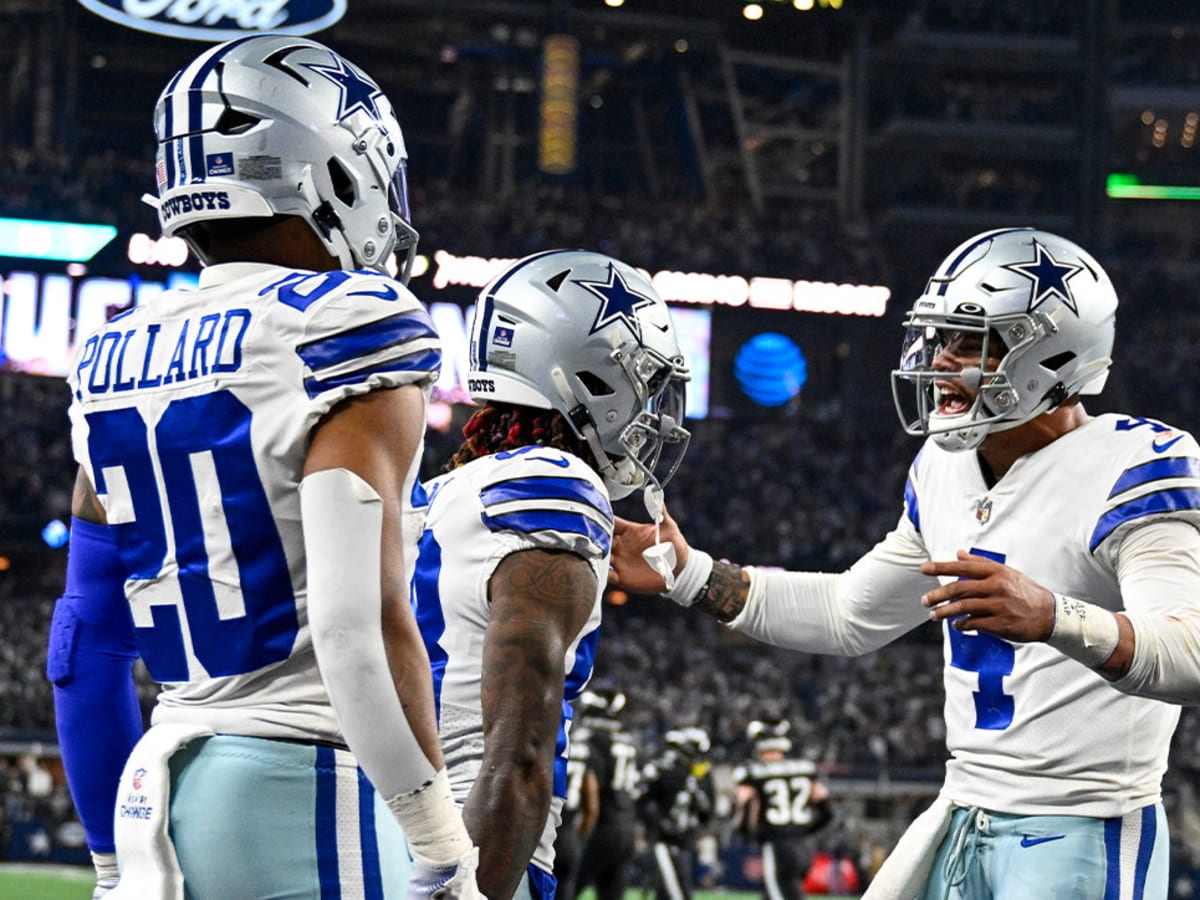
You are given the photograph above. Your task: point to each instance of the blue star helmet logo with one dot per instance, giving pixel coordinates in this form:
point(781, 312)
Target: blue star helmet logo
point(617, 302)
point(357, 92)
point(1049, 277)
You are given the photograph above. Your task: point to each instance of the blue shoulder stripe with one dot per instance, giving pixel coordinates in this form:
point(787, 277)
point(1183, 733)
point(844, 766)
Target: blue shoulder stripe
point(546, 487)
point(1156, 502)
point(1156, 470)
point(910, 504)
point(532, 521)
point(429, 361)
point(367, 339)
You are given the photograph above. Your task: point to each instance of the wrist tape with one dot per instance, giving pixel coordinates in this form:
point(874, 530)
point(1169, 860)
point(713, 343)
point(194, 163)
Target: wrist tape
point(691, 578)
point(1083, 631)
point(105, 865)
point(432, 823)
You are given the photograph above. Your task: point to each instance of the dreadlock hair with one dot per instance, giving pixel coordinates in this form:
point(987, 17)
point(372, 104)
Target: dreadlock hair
point(505, 426)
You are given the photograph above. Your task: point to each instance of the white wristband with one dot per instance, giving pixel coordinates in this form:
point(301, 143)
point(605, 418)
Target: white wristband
point(691, 578)
point(432, 823)
point(1083, 631)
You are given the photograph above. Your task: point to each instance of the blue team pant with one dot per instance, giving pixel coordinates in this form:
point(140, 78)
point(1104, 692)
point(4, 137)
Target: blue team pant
point(258, 818)
point(994, 856)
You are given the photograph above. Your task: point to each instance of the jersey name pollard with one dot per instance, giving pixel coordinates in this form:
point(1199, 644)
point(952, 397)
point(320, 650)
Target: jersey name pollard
point(1030, 730)
point(192, 416)
point(784, 789)
point(533, 498)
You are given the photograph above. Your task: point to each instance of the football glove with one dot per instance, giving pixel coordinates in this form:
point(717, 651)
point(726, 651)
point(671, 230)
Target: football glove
point(456, 882)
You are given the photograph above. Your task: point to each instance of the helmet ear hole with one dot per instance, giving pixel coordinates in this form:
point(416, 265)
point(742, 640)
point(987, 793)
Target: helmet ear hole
point(596, 385)
point(234, 121)
point(343, 184)
point(1056, 362)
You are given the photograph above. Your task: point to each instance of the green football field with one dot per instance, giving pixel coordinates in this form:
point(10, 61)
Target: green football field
point(21, 882)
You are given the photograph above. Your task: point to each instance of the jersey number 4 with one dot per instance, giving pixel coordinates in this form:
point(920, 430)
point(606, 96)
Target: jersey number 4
point(991, 658)
point(218, 509)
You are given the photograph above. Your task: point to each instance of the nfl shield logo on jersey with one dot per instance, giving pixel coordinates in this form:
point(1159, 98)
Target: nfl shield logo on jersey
point(983, 510)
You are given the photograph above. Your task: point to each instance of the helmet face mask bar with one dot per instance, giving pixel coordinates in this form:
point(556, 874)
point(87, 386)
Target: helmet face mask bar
point(1038, 312)
point(994, 406)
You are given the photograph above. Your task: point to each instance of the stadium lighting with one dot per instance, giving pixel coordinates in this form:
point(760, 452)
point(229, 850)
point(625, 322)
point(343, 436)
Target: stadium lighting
point(1129, 187)
point(40, 239)
point(752, 11)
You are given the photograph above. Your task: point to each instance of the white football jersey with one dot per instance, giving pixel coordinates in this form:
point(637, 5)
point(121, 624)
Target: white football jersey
point(192, 416)
point(1032, 731)
point(530, 498)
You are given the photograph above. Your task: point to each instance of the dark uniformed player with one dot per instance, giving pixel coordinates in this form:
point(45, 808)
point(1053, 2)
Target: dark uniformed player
point(779, 803)
point(609, 850)
point(580, 808)
point(676, 801)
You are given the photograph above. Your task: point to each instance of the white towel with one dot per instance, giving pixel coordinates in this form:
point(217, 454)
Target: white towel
point(145, 853)
point(904, 875)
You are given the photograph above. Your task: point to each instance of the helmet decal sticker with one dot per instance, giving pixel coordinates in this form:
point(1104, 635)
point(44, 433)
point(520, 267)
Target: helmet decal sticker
point(356, 92)
point(617, 302)
point(1049, 277)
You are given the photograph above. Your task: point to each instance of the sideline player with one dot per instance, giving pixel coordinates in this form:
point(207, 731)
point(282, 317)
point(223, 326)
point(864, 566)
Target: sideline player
point(247, 451)
point(610, 849)
point(575, 361)
point(780, 802)
point(1045, 538)
point(676, 801)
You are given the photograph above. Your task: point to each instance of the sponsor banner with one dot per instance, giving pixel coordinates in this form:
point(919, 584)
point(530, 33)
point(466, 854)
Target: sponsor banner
point(219, 20)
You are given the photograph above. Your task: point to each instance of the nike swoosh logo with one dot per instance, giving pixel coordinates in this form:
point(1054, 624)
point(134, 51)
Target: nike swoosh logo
point(559, 461)
point(1027, 841)
point(1161, 448)
point(387, 292)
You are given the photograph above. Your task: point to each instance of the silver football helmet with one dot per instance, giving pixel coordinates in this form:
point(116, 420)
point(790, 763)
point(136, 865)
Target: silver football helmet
point(278, 125)
point(585, 334)
point(1040, 309)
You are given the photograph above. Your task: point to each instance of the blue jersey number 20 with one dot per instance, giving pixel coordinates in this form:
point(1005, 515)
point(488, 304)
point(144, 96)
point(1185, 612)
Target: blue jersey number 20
point(990, 657)
point(218, 424)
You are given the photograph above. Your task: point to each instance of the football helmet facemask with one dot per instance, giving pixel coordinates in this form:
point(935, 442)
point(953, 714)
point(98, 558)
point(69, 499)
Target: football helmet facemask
point(586, 335)
point(278, 125)
point(1039, 309)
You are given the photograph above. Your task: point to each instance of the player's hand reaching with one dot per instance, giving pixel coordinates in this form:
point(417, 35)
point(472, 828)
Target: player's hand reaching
point(990, 597)
point(456, 882)
point(629, 569)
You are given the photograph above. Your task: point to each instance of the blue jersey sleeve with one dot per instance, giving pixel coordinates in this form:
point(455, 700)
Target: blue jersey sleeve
point(90, 663)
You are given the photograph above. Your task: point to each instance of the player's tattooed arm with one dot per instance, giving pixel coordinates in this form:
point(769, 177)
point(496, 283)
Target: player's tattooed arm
point(539, 601)
point(724, 596)
point(84, 502)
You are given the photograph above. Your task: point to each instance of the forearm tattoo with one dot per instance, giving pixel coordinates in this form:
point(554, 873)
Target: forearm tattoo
point(725, 593)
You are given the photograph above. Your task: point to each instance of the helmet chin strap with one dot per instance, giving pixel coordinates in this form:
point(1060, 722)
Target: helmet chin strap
point(622, 477)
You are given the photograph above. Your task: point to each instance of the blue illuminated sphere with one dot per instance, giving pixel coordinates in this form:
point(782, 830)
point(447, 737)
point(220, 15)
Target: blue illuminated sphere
point(770, 368)
point(55, 534)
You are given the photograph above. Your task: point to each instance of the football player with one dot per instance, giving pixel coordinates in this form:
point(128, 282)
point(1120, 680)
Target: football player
point(676, 801)
point(779, 802)
point(581, 807)
point(576, 365)
point(1060, 550)
point(247, 450)
point(610, 848)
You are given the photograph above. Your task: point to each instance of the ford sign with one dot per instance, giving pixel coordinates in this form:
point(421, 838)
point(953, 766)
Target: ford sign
point(220, 20)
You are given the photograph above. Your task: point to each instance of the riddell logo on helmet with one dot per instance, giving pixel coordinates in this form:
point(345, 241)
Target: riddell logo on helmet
point(197, 201)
